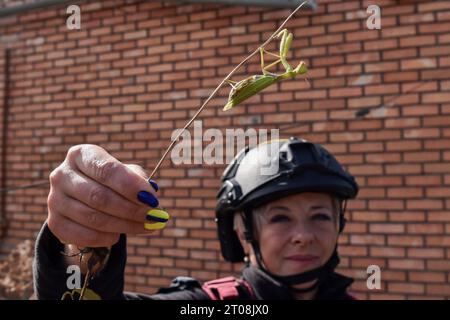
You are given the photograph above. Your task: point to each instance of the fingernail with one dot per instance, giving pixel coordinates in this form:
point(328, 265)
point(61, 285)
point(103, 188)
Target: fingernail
point(157, 215)
point(154, 185)
point(154, 226)
point(148, 198)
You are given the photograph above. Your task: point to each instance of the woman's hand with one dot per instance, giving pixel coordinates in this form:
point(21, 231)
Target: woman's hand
point(93, 198)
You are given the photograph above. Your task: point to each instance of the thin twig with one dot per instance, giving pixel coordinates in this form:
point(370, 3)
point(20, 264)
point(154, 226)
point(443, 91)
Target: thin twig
point(220, 86)
point(27, 186)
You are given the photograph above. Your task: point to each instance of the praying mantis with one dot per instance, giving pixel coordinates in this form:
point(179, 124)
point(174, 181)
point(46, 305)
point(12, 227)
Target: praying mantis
point(252, 85)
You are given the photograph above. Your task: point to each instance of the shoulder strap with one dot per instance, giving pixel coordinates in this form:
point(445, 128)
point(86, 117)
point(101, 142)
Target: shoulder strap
point(226, 288)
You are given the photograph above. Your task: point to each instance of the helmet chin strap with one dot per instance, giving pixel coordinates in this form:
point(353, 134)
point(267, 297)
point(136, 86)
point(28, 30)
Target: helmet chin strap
point(318, 274)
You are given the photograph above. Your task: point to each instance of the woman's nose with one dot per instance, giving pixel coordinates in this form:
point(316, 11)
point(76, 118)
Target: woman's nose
point(302, 236)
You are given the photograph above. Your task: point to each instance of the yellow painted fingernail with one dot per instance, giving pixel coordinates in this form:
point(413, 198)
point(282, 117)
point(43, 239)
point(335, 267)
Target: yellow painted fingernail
point(157, 215)
point(154, 226)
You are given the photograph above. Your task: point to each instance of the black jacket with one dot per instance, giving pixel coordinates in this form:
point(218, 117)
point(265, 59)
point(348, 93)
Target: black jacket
point(50, 277)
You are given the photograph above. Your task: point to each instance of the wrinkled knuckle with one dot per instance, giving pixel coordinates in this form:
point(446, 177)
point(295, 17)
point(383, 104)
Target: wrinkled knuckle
point(51, 201)
point(74, 151)
point(56, 176)
point(98, 197)
point(104, 169)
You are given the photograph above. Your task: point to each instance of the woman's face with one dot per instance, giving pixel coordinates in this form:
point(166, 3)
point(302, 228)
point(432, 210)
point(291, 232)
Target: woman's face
point(298, 233)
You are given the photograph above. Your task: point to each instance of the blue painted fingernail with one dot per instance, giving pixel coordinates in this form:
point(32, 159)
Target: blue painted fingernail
point(154, 185)
point(147, 198)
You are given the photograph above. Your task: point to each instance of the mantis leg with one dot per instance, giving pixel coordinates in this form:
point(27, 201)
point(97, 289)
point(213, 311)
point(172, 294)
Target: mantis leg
point(265, 68)
point(272, 64)
point(285, 44)
point(231, 83)
point(261, 52)
point(272, 54)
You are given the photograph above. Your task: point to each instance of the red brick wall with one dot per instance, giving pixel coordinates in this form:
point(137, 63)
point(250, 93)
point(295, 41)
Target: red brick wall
point(135, 72)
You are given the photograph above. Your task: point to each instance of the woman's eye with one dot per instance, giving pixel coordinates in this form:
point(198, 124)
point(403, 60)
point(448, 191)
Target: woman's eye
point(321, 217)
point(279, 218)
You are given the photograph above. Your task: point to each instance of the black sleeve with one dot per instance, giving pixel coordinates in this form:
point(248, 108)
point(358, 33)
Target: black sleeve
point(50, 269)
point(50, 274)
point(181, 288)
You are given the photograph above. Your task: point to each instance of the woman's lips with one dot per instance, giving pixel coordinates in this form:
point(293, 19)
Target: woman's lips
point(303, 259)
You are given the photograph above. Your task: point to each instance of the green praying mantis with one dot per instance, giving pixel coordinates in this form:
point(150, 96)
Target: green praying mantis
point(252, 85)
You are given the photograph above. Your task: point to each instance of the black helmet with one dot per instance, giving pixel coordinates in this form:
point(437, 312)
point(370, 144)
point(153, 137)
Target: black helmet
point(271, 171)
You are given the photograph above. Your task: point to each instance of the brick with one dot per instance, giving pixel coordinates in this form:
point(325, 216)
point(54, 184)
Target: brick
point(416, 18)
point(405, 192)
point(381, 66)
point(345, 70)
point(402, 123)
point(438, 289)
point(311, 116)
point(425, 228)
point(436, 121)
point(406, 287)
point(329, 82)
point(434, 74)
point(433, 28)
point(400, 76)
point(421, 156)
point(380, 44)
point(443, 265)
point(435, 51)
point(417, 41)
point(363, 263)
point(397, 32)
point(387, 252)
point(412, 216)
point(383, 135)
point(407, 264)
point(397, 240)
point(426, 253)
point(438, 97)
point(427, 277)
point(438, 215)
point(360, 36)
point(340, 48)
point(386, 227)
point(403, 169)
point(367, 170)
point(436, 168)
point(381, 89)
point(327, 39)
point(400, 54)
point(353, 251)
point(420, 110)
point(438, 241)
point(327, 61)
point(385, 181)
